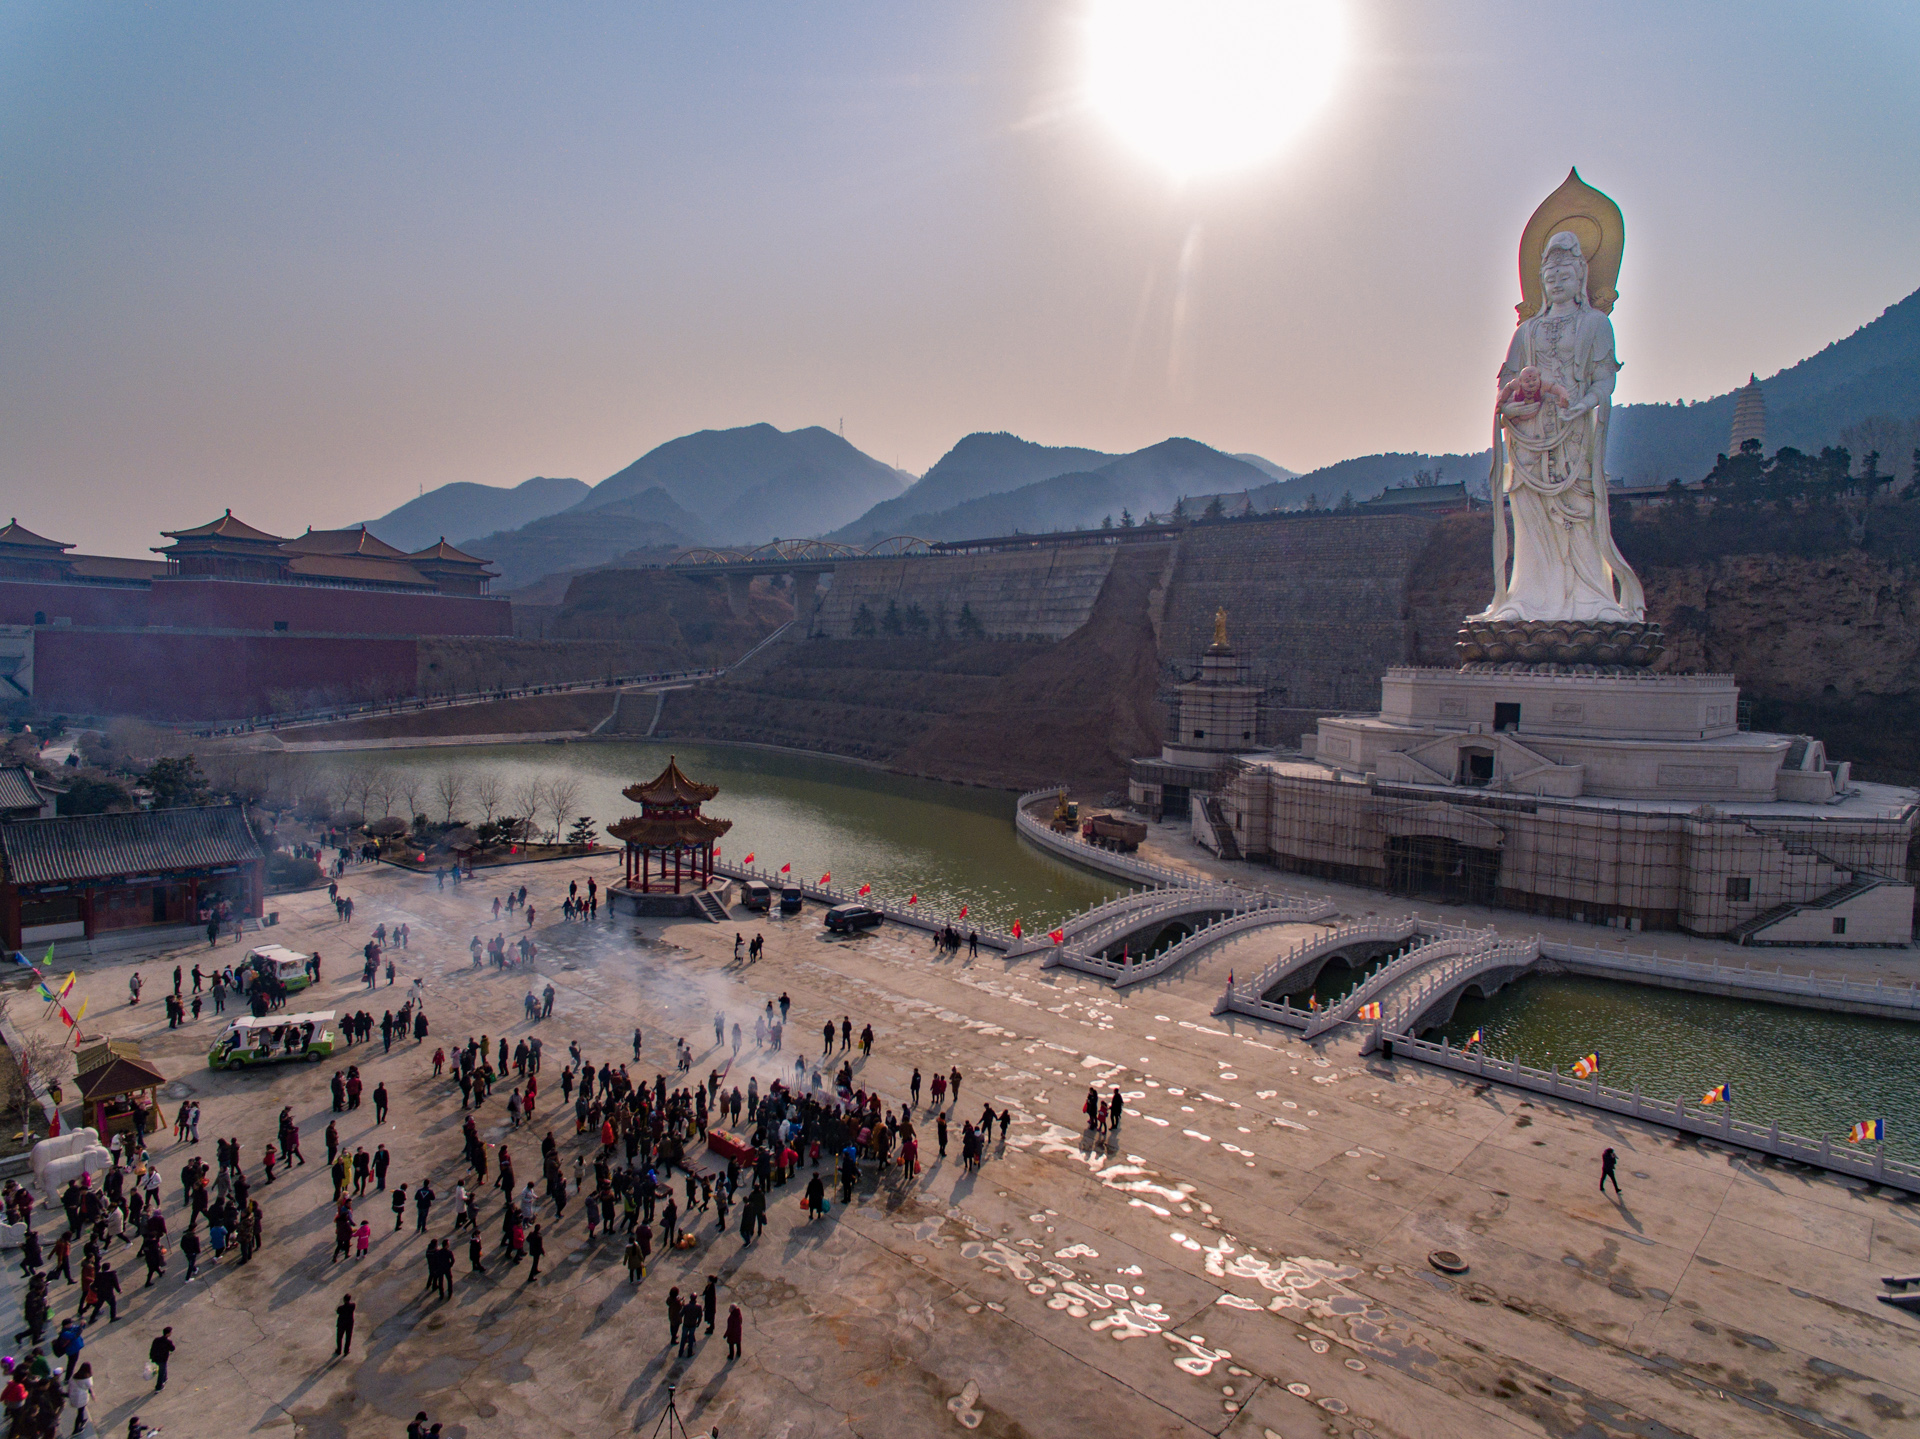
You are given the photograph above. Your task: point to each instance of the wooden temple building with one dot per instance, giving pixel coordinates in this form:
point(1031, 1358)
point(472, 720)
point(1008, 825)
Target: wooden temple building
point(669, 845)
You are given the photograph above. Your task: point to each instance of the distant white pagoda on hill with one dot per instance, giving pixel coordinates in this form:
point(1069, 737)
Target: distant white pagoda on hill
point(1749, 416)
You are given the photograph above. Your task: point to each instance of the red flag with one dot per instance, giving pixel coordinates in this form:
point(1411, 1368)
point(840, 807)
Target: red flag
point(827, 877)
point(747, 860)
point(1058, 936)
point(865, 890)
point(913, 899)
point(963, 911)
point(786, 869)
point(1016, 929)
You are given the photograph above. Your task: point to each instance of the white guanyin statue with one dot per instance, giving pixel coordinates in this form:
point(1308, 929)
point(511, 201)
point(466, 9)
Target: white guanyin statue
point(1550, 429)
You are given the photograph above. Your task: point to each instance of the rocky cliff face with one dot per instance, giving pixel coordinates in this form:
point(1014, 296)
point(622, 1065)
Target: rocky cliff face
point(1823, 642)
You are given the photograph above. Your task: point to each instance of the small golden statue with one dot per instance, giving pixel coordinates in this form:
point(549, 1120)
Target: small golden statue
point(1220, 629)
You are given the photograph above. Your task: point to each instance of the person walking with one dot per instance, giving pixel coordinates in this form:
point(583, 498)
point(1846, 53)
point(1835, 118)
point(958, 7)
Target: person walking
point(158, 1353)
point(536, 1246)
point(736, 1330)
point(1609, 1170)
point(673, 1317)
point(80, 1395)
point(710, 1298)
point(343, 1327)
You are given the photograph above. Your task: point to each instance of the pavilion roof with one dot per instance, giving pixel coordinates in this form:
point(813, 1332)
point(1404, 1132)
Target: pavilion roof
point(446, 553)
point(355, 541)
point(225, 528)
point(18, 536)
point(665, 830)
point(120, 1076)
point(670, 786)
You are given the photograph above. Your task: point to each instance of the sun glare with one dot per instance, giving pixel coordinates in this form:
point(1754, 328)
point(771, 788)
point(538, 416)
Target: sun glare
point(1205, 86)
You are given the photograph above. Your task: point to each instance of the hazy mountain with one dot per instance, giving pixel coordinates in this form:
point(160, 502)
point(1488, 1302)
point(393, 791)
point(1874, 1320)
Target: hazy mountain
point(1873, 371)
point(1148, 480)
point(1260, 462)
point(1367, 475)
point(461, 509)
point(579, 539)
point(981, 464)
point(751, 484)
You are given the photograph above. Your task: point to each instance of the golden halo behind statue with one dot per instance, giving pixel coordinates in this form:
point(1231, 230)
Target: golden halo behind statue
point(1592, 219)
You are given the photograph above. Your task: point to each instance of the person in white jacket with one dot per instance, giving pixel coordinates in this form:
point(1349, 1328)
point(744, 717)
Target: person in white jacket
point(80, 1395)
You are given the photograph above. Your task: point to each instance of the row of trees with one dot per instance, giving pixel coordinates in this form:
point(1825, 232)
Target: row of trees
point(914, 620)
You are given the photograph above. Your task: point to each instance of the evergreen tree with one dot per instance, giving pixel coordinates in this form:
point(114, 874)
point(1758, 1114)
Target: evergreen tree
point(916, 620)
point(890, 621)
point(969, 624)
point(1127, 520)
point(582, 833)
point(176, 782)
point(1215, 510)
point(863, 621)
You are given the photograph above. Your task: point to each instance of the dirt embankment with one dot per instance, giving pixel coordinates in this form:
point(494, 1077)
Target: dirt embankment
point(1819, 627)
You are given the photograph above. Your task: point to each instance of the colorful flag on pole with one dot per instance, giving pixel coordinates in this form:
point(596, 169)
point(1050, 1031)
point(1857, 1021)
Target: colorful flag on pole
point(1586, 1068)
point(1472, 1039)
point(1868, 1131)
point(1719, 1094)
point(827, 878)
point(1313, 1001)
point(963, 911)
point(747, 860)
point(1016, 929)
point(865, 890)
point(1368, 1011)
point(913, 899)
point(1058, 936)
point(786, 869)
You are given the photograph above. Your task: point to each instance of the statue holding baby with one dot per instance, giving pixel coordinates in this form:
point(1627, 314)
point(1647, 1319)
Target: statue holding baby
point(1562, 592)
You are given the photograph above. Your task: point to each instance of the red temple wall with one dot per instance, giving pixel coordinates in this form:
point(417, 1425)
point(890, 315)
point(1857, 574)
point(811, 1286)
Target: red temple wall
point(171, 676)
point(21, 600)
point(227, 605)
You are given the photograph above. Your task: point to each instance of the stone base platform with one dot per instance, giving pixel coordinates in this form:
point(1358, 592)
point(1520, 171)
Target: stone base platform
point(1634, 736)
point(622, 900)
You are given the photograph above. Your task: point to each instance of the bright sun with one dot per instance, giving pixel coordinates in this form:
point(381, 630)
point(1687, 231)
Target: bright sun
point(1202, 86)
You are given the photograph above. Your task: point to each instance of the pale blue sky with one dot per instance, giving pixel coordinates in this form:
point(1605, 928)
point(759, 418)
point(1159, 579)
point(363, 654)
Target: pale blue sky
point(303, 260)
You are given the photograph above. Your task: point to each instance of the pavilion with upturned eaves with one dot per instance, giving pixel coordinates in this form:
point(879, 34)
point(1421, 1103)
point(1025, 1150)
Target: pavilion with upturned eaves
point(669, 844)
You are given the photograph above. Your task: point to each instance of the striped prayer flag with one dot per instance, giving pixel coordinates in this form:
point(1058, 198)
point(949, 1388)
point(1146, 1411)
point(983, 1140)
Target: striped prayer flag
point(1368, 1011)
point(1472, 1039)
point(1868, 1131)
point(1586, 1068)
point(1719, 1094)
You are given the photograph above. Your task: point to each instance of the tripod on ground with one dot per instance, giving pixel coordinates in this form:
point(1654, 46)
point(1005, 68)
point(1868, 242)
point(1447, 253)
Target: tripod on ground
point(672, 1425)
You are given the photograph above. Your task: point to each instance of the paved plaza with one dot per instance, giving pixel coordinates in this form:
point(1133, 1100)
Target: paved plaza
point(1248, 1257)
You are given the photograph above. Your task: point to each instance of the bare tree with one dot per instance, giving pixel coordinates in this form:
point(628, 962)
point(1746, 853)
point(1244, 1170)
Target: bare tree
point(380, 785)
point(450, 788)
point(39, 1056)
point(488, 790)
point(407, 786)
point(563, 798)
point(362, 788)
point(529, 797)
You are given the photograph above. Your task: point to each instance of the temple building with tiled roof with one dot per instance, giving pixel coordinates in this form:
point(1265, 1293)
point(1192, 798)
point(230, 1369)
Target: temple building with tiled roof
point(229, 622)
point(669, 843)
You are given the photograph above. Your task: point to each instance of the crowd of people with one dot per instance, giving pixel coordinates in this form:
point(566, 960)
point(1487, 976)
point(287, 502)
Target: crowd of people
point(659, 1166)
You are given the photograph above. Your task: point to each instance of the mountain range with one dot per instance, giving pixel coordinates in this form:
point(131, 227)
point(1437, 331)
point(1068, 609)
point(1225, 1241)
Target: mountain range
point(755, 482)
point(462, 509)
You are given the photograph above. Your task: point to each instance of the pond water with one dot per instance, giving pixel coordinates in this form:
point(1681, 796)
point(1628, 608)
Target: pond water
point(952, 845)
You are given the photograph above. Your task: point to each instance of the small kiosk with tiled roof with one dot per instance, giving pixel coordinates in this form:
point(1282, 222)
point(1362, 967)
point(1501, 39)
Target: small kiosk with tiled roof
point(669, 845)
